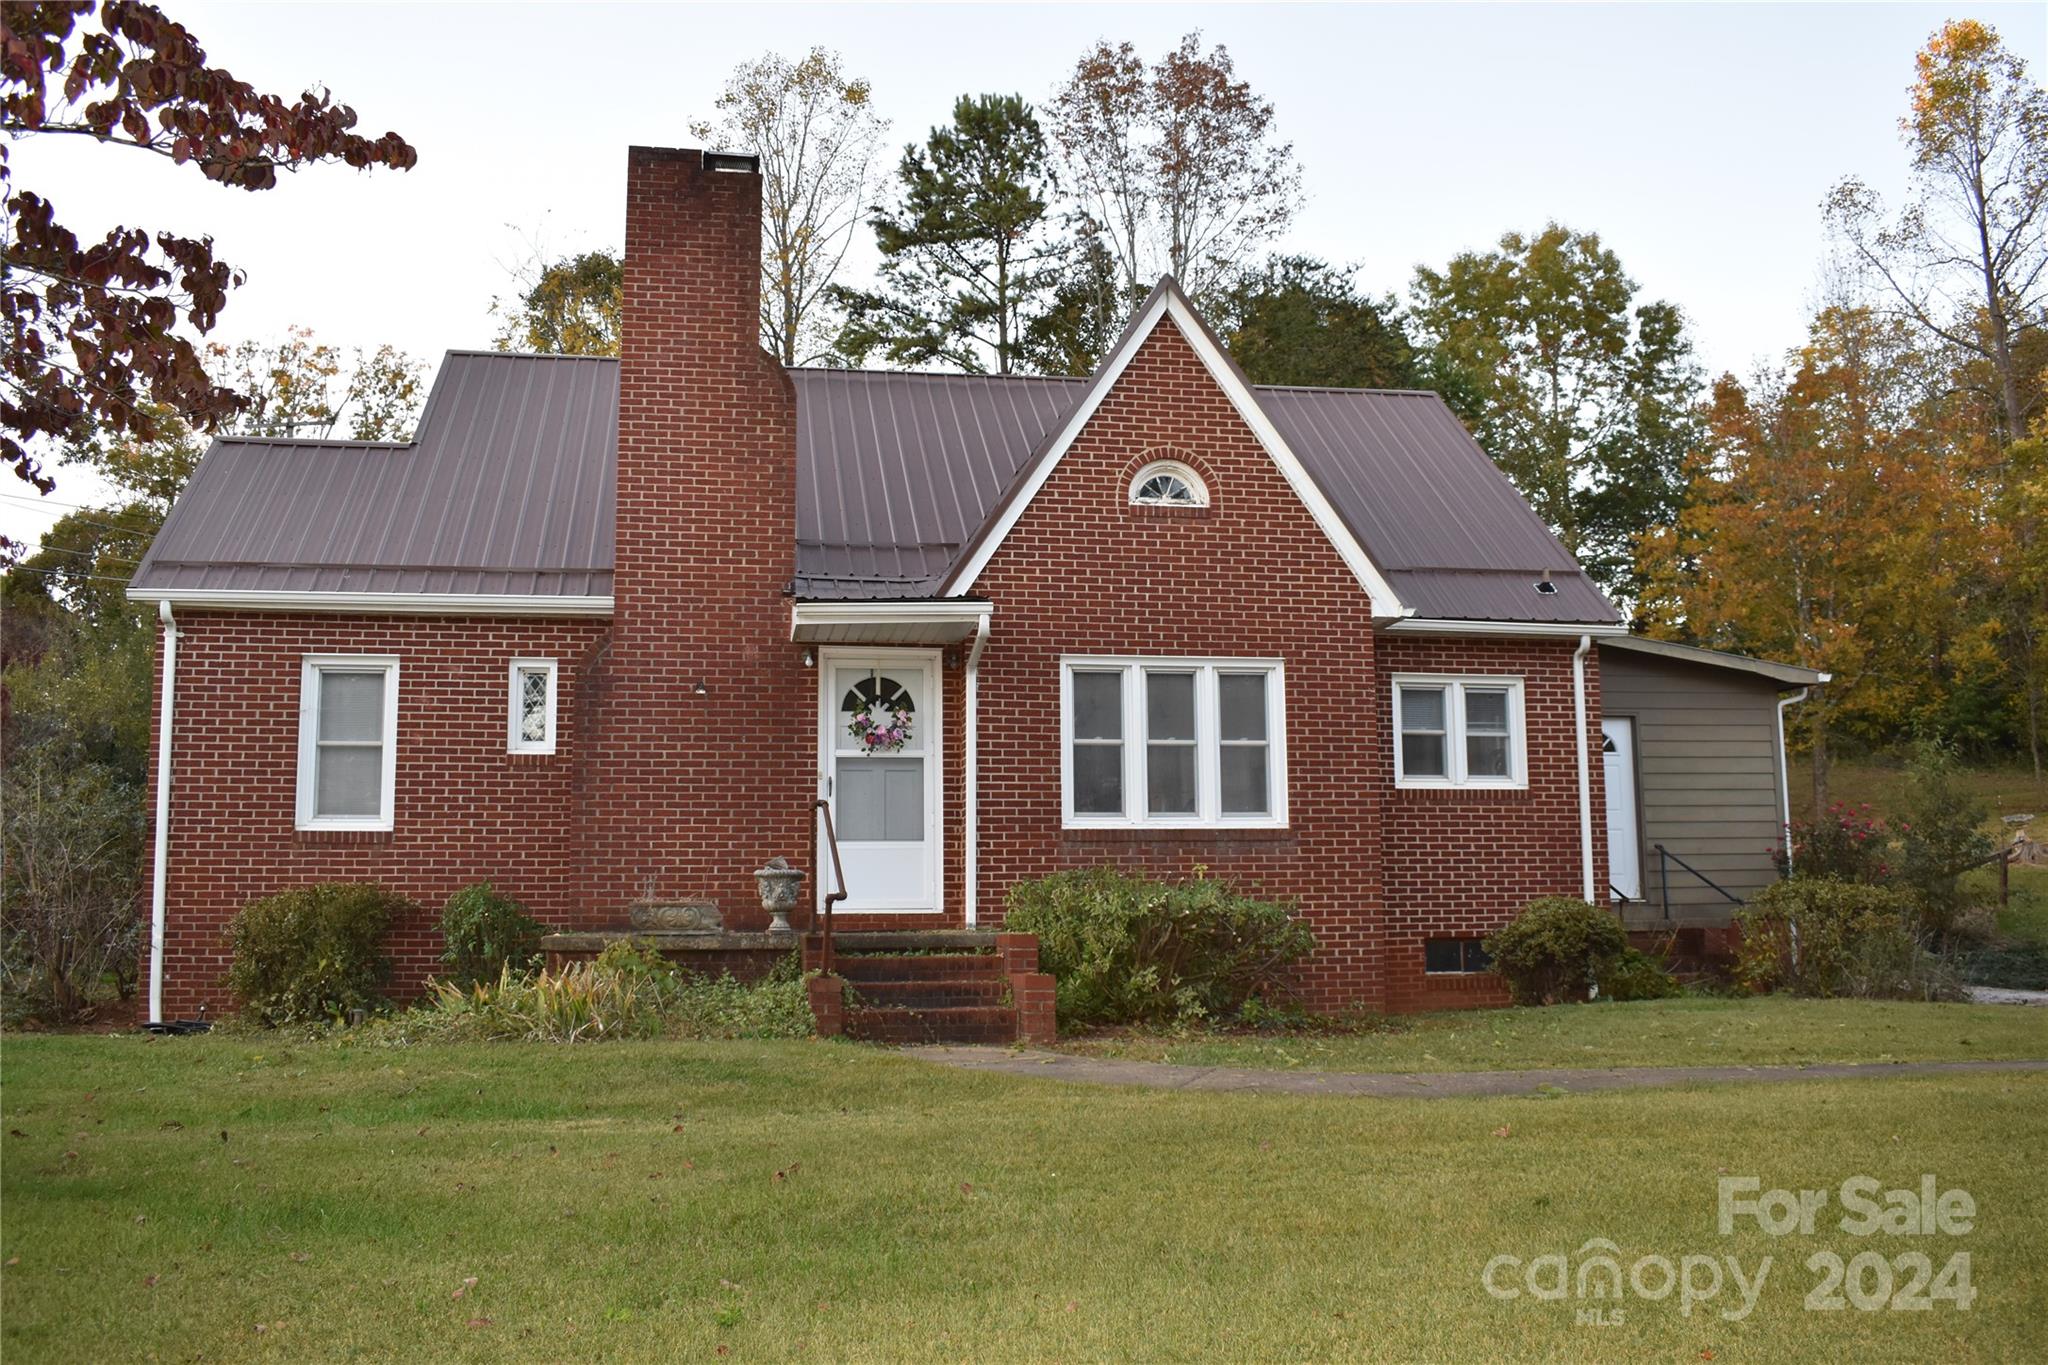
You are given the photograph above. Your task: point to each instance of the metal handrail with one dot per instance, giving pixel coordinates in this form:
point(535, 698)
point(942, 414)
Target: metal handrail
point(1665, 857)
point(829, 898)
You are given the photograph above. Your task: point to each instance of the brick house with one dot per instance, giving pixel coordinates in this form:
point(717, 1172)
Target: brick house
point(606, 630)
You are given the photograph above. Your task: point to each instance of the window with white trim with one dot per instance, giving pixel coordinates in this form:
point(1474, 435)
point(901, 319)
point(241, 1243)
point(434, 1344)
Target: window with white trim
point(1168, 483)
point(531, 724)
point(348, 741)
point(1459, 732)
point(1173, 743)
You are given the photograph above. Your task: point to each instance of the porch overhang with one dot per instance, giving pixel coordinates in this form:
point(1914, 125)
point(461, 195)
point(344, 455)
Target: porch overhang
point(937, 621)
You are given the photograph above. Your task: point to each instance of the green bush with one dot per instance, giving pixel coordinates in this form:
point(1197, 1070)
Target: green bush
point(1556, 950)
point(483, 932)
point(1125, 949)
point(1637, 976)
point(1941, 833)
point(1813, 936)
point(313, 953)
point(628, 992)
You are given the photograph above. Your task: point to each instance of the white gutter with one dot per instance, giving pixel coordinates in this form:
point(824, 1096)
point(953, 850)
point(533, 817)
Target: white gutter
point(160, 870)
point(1585, 774)
point(1539, 630)
point(970, 842)
point(1784, 778)
point(432, 603)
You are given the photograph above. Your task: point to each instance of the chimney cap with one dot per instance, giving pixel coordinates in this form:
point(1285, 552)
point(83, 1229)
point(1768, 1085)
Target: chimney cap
point(744, 163)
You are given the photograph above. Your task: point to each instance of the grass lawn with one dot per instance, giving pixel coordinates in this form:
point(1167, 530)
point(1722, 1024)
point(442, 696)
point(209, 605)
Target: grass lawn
point(1770, 1031)
point(2007, 789)
point(241, 1198)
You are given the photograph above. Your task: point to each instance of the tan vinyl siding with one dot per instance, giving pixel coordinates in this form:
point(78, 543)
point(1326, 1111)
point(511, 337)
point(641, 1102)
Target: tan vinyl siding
point(1707, 773)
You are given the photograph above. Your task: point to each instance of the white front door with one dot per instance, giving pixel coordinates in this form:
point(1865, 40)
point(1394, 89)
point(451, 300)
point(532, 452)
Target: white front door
point(879, 718)
point(1624, 839)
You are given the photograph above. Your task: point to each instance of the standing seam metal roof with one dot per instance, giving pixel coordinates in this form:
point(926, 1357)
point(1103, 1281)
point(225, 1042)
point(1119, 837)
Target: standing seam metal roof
point(508, 488)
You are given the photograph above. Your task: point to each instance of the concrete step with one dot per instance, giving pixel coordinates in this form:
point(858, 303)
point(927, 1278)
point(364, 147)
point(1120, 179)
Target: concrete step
point(950, 1024)
point(934, 992)
point(929, 967)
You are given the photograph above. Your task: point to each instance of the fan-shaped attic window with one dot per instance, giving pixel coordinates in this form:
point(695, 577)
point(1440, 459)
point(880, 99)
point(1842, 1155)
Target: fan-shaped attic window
point(1168, 483)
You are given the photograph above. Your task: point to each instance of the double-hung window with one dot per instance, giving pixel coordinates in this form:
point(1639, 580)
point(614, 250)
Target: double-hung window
point(1175, 743)
point(531, 724)
point(348, 741)
point(1459, 732)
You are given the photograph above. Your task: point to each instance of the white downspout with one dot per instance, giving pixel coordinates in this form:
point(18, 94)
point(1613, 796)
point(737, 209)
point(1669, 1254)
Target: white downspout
point(160, 871)
point(1585, 774)
point(970, 786)
point(1784, 779)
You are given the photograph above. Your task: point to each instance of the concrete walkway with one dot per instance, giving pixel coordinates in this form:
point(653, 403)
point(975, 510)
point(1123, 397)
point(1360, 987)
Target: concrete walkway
point(1413, 1085)
point(2001, 995)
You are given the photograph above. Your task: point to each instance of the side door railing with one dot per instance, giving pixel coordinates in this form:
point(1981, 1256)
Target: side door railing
point(822, 823)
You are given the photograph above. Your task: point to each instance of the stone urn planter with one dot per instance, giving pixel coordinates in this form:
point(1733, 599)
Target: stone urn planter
point(779, 883)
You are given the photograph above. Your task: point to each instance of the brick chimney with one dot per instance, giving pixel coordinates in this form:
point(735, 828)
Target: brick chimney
point(700, 767)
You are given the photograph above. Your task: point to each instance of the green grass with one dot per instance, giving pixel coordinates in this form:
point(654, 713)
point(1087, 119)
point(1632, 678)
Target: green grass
point(2005, 788)
point(1691, 1031)
point(166, 1199)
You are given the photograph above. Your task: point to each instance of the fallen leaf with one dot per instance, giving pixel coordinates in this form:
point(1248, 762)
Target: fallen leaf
point(724, 1350)
point(142, 1218)
point(71, 1156)
point(468, 1284)
point(1503, 1130)
point(677, 1129)
point(14, 1260)
point(1073, 1304)
point(479, 1322)
point(967, 1189)
point(169, 1126)
point(302, 1256)
point(16, 1132)
point(149, 1281)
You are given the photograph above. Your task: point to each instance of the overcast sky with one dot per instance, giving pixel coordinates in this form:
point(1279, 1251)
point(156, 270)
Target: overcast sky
point(1698, 141)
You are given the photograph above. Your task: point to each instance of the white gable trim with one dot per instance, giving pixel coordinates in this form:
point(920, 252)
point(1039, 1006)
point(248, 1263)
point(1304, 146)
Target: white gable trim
point(1168, 301)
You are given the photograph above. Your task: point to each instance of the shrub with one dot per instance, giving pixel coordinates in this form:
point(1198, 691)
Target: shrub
point(484, 932)
point(1846, 844)
point(1637, 976)
point(312, 954)
point(1813, 936)
point(628, 992)
point(72, 833)
point(1941, 835)
point(1556, 950)
point(1126, 949)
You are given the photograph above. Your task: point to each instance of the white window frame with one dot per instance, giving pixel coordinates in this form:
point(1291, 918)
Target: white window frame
point(1208, 743)
point(310, 669)
point(515, 742)
point(1186, 475)
point(1455, 758)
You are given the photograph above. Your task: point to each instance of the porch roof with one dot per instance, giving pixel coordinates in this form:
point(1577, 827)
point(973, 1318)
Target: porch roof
point(925, 621)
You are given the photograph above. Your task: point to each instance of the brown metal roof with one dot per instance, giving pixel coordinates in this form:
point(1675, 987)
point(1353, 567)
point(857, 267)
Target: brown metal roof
point(508, 489)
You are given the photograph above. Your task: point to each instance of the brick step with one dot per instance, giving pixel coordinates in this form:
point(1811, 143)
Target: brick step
point(950, 1024)
point(948, 967)
point(933, 993)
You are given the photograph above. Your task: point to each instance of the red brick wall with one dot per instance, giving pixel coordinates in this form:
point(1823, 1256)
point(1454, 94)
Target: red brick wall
point(465, 810)
point(687, 793)
point(1460, 863)
point(1252, 576)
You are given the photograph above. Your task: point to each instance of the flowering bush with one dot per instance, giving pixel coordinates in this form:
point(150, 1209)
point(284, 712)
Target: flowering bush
point(1848, 844)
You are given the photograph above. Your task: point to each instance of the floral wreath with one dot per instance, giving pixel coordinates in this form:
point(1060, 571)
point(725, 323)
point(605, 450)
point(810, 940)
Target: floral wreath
point(880, 727)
